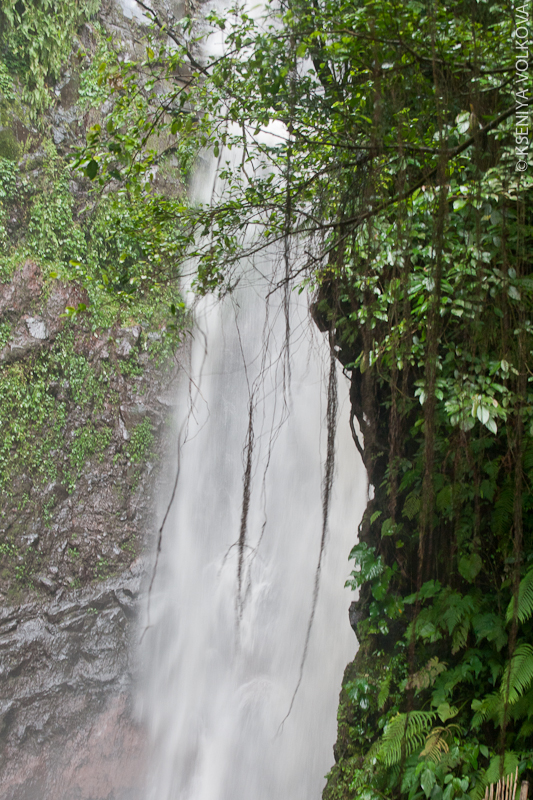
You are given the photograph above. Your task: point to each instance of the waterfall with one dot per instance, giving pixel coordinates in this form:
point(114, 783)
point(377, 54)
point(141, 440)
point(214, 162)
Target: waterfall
point(222, 665)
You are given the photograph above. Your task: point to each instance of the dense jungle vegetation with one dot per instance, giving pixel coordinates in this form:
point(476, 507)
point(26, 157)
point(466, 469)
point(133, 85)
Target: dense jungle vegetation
point(97, 349)
point(395, 178)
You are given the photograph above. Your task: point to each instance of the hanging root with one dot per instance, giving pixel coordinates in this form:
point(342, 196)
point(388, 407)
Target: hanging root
point(331, 424)
point(247, 481)
point(181, 440)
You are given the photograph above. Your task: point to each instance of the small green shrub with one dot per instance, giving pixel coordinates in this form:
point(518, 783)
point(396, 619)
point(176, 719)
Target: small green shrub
point(141, 442)
point(8, 179)
point(53, 235)
point(94, 89)
point(33, 419)
point(36, 38)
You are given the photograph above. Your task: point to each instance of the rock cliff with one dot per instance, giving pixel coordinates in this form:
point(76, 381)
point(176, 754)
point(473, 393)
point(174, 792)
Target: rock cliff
point(86, 397)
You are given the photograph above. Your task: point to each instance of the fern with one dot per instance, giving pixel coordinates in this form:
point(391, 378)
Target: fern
point(403, 734)
point(503, 510)
point(491, 707)
point(518, 673)
point(498, 768)
point(384, 691)
point(526, 730)
point(411, 506)
point(524, 602)
point(460, 637)
point(426, 676)
point(436, 743)
point(458, 611)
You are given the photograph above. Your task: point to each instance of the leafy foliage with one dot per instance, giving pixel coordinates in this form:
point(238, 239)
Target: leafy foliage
point(35, 38)
point(404, 734)
point(376, 147)
point(524, 602)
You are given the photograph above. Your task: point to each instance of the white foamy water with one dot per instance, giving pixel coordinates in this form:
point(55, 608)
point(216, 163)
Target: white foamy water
point(219, 691)
point(221, 679)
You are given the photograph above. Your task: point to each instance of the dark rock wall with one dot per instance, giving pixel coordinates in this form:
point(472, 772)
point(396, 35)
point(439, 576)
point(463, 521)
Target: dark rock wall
point(68, 730)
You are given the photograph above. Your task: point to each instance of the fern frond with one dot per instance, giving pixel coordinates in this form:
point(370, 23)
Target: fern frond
point(526, 730)
point(497, 769)
point(384, 691)
point(411, 507)
point(524, 601)
point(460, 637)
point(523, 708)
point(403, 734)
point(427, 676)
point(503, 510)
point(491, 707)
point(436, 742)
point(518, 673)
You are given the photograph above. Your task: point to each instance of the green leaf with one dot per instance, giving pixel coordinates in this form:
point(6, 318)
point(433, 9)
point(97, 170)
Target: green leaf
point(491, 425)
point(518, 674)
point(470, 566)
point(483, 414)
point(524, 602)
point(427, 781)
point(446, 711)
point(91, 170)
point(499, 768)
point(403, 732)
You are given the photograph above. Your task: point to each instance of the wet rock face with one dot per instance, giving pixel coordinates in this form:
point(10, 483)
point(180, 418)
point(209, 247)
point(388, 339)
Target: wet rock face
point(33, 321)
point(78, 507)
point(76, 514)
point(66, 672)
point(70, 569)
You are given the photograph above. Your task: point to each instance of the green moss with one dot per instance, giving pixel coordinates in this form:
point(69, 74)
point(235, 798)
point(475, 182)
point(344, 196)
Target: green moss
point(9, 146)
point(53, 236)
point(129, 547)
point(8, 549)
point(8, 177)
point(35, 396)
point(103, 251)
point(18, 565)
point(7, 89)
point(131, 367)
point(103, 568)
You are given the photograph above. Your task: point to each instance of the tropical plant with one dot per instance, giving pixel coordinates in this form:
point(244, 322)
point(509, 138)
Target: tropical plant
point(377, 148)
point(35, 39)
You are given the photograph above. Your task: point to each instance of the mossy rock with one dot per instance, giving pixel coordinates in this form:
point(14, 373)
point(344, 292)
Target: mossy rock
point(9, 146)
point(356, 723)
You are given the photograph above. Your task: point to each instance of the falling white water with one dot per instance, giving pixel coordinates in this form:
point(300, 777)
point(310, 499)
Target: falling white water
point(218, 693)
point(220, 684)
